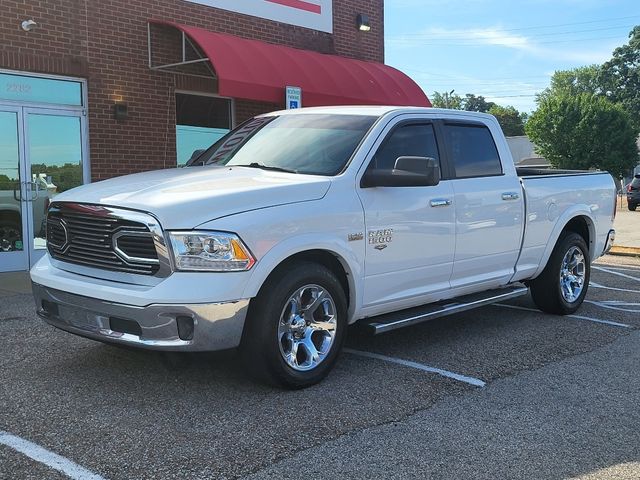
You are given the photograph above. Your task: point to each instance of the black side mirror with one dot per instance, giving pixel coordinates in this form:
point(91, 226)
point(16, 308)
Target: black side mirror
point(194, 156)
point(408, 172)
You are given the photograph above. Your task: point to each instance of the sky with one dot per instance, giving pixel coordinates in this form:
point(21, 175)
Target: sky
point(505, 51)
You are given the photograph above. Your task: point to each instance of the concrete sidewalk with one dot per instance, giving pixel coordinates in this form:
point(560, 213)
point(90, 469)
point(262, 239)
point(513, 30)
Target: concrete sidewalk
point(14, 283)
point(627, 225)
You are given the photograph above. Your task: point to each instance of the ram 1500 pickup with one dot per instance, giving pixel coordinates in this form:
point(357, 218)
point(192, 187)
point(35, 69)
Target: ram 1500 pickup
point(297, 224)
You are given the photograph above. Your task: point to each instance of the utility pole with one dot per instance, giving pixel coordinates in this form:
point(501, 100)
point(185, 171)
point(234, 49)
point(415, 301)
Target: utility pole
point(447, 95)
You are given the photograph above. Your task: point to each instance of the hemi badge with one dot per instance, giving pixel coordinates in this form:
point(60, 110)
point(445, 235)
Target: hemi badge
point(354, 237)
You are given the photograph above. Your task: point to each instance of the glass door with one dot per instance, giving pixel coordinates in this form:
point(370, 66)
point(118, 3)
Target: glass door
point(14, 250)
point(54, 150)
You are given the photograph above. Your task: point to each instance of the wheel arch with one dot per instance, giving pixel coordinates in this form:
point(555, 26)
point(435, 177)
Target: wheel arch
point(577, 221)
point(346, 270)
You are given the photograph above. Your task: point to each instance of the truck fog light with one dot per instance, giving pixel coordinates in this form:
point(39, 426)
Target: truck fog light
point(185, 327)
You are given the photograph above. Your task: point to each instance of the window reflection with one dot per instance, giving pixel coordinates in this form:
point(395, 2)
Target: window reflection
point(10, 205)
point(55, 152)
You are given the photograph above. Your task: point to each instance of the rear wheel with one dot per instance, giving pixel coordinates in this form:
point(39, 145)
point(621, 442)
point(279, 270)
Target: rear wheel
point(296, 327)
point(562, 285)
point(632, 206)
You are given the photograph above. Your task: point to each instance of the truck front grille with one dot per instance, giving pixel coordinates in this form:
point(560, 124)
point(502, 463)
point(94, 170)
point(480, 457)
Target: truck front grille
point(89, 235)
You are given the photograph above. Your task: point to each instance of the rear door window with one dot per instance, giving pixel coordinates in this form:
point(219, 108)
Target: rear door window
point(473, 151)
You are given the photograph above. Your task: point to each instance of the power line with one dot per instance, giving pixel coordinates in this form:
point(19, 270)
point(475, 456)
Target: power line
point(482, 42)
point(445, 36)
point(604, 20)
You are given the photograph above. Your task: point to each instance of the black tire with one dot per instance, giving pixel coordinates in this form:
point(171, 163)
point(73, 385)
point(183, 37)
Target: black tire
point(10, 234)
point(632, 206)
point(546, 289)
point(263, 351)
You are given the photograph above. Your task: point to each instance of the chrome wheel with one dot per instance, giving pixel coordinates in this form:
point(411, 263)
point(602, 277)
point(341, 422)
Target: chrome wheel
point(572, 274)
point(307, 328)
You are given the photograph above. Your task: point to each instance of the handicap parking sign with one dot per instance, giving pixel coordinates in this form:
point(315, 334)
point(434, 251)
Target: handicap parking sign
point(293, 98)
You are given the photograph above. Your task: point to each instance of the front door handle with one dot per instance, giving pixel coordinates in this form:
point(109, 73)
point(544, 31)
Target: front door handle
point(510, 196)
point(440, 202)
point(17, 193)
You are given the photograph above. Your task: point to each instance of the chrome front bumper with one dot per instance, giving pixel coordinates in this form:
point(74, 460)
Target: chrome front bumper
point(197, 327)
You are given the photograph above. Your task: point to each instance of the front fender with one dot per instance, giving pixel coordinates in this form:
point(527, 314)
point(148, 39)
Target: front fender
point(304, 243)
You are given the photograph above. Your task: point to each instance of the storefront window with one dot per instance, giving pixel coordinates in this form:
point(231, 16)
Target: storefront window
point(200, 122)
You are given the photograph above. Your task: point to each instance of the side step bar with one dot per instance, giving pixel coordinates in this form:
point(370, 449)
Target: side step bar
point(411, 316)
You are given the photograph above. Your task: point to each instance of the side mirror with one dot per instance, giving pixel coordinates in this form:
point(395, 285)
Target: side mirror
point(194, 156)
point(408, 172)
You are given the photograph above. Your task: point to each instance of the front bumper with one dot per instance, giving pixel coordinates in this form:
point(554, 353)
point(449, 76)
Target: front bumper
point(196, 327)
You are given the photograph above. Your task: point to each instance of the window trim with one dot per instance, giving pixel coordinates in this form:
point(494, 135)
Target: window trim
point(448, 146)
point(444, 164)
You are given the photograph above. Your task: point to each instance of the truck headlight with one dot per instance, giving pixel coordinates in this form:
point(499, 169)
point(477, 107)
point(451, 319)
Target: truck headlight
point(210, 252)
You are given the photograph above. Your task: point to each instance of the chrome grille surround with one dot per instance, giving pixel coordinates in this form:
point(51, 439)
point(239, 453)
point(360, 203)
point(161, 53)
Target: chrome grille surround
point(96, 238)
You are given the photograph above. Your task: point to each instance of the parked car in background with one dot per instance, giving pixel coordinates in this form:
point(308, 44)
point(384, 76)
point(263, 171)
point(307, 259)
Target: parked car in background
point(633, 193)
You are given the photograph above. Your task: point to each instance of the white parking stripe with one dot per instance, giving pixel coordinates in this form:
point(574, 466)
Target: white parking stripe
point(50, 459)
point(425, 368)
point(578, 317)
point(597, 285)
point(600, 269)
point(614, 305)
point(627, 268)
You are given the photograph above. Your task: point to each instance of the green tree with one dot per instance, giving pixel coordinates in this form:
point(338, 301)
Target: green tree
point(620, 76)
point(575, 81)
point(584, 131)
point(510, 119)
point(65, 177)
point(478, 103)
point(446, 100)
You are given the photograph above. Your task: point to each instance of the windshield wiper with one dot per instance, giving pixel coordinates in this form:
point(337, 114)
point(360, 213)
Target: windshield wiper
point(267, 167)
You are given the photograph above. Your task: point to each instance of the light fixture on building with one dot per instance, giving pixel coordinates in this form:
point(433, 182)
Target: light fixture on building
point(120, 111)
point(363, 22)
point(28, 25)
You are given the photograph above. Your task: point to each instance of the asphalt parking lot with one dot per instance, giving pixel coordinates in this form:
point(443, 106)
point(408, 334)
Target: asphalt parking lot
point(528, 395)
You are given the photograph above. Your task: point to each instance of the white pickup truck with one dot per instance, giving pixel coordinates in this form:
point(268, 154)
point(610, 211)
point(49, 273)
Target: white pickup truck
point(297, 224)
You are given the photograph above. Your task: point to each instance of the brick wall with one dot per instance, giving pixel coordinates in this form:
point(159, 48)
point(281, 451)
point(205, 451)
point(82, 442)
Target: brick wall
point(105, 41)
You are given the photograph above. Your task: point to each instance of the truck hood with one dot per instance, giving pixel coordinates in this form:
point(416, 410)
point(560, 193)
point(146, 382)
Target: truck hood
point(183, 198)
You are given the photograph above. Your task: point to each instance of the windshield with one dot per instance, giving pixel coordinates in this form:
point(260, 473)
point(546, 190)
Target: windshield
point(313, 144)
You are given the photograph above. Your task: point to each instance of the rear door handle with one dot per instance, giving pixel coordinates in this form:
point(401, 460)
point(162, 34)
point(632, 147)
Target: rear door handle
point(440, 202)
point(510, 196)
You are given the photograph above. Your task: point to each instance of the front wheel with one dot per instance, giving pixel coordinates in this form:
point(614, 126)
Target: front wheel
point(295, 327)
point(561, 287)
point(632, 206)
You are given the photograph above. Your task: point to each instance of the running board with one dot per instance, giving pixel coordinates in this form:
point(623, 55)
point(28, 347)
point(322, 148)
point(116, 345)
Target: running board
point(411, 316)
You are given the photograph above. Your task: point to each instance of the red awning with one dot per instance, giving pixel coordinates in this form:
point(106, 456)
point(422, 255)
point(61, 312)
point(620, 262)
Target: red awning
point(255, 70)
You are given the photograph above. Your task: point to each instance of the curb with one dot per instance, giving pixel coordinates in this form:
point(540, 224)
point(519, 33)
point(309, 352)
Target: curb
point(625, 251)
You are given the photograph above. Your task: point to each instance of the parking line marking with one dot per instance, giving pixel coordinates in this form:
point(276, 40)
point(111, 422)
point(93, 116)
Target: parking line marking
point(578, 317)
point(597, 285)
point(628, 268)
point(616, 273)
point(615, 305)
point(425, 368)
point(48, 458)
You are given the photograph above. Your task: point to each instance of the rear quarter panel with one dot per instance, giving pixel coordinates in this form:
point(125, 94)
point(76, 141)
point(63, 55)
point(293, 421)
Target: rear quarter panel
point(551, 202)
